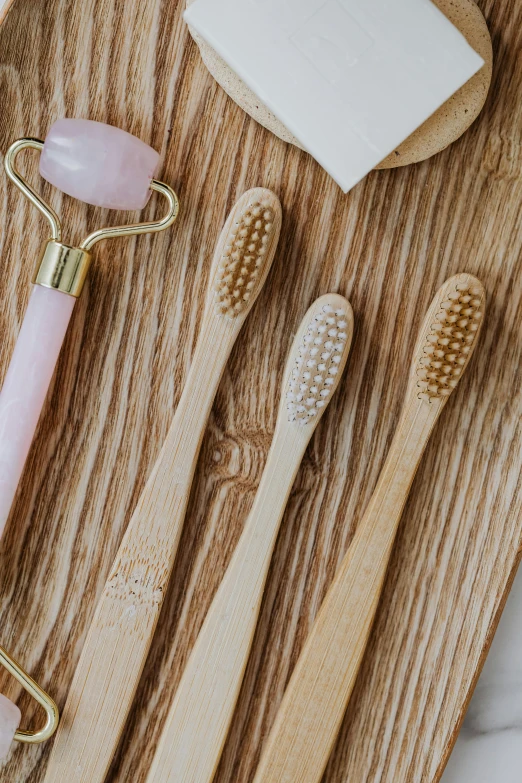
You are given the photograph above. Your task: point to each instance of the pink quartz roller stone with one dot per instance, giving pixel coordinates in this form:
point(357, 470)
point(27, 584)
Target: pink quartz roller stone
point(10, 717)
point(26, 384)
point(99, 164)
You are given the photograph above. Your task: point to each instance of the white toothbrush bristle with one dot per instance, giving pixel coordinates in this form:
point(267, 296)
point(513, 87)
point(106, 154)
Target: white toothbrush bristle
point(314, 368)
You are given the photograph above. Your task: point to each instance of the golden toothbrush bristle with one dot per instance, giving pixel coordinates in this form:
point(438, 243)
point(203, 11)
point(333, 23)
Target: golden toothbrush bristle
point(320, 358)
point(248, 249)
point(453, 331)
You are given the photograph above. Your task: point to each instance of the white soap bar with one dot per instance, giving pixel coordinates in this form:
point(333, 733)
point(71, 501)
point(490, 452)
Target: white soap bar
point(351, 79)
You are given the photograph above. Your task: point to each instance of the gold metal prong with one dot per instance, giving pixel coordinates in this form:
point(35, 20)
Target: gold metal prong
point(27, 682)
point(12, 172)
point(139, 228)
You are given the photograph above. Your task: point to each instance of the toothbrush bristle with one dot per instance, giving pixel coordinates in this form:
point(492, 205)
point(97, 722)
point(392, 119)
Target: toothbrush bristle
point(319, 362)
point(246, 255)
point(451, 339)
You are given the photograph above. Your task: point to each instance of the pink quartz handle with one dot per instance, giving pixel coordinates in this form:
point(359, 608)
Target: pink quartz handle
point(26, 384)
point(9, 721)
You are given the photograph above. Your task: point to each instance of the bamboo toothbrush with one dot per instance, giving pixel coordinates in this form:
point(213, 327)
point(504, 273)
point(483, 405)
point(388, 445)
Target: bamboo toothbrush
point(313, 706)
point(123, 626)
point(198, 722)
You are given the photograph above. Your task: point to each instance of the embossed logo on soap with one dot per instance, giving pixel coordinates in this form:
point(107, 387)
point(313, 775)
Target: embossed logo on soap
point(289, 14)
point(332, 40)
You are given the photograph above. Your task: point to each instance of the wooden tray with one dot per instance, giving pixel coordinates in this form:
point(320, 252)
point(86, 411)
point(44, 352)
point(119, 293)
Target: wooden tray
point(388, 245)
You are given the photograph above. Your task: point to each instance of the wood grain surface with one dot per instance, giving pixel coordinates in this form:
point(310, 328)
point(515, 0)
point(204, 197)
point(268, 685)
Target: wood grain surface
point(387, 246)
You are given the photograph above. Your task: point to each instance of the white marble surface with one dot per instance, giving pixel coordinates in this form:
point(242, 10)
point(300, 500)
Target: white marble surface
point(489, 748)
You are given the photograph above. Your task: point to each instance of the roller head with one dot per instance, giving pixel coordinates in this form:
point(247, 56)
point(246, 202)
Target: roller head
point(99, 164)
point(10, 717)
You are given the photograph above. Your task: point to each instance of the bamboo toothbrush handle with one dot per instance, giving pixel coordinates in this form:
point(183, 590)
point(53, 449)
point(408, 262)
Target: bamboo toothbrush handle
point(313, 706)
point(198, 721)
point(121, 632)
point(119, 639)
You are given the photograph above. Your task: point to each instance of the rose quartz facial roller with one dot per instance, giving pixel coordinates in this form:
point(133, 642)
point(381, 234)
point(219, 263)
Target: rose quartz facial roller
point(10, 715)
point(103, 166)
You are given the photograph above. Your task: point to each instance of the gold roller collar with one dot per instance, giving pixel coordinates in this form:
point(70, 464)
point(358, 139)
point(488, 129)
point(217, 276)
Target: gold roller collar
point(63, 268)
